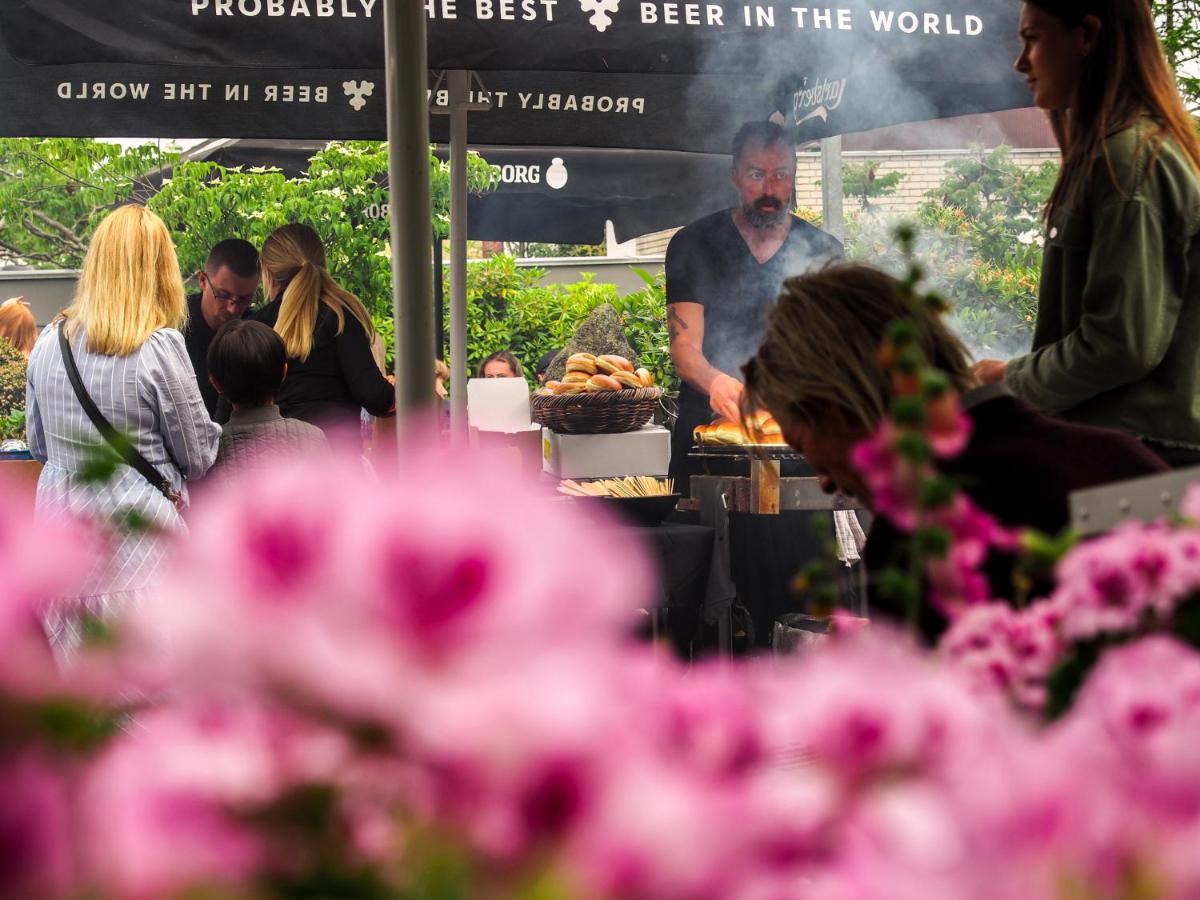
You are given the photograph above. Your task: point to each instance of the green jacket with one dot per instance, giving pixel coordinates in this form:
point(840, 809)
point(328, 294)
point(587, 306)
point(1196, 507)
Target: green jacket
point(1117, 341)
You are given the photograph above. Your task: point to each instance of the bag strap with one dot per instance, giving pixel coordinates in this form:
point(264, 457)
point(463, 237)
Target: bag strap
point(121, 444)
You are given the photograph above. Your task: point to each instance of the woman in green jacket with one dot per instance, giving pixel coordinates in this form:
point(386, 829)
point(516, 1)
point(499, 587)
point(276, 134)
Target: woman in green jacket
point(1117, 341)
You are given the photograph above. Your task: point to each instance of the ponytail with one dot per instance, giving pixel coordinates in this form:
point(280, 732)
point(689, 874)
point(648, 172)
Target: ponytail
point(294, 257)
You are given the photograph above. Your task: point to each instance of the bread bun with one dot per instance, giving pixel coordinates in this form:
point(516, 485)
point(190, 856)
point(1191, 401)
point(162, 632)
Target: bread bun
point(628, 380)
point(567, 387)
point(610, 363)
point(646, 376)
point(582, 362)
point(727, 433)
point(598, 383)
point(769, 426)
point(774, 439)
point(700, 434)
point(576, 378)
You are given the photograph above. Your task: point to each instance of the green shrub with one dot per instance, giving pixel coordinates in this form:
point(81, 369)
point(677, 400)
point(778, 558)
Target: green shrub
point(507, 309)
point(980, 244)
point(12, 391)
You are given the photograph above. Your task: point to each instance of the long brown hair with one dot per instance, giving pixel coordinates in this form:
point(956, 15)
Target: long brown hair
point(294, 260)
point(1123, 78)
point(821, 347)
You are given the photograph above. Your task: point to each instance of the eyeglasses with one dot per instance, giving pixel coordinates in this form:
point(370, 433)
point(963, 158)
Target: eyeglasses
point(223, 296)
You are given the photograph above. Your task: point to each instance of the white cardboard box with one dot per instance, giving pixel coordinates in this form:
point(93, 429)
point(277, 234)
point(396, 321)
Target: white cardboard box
point(646, 451)
point(498, 404)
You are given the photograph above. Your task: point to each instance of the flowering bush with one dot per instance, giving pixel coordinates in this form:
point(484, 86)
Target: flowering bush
point(386, 690)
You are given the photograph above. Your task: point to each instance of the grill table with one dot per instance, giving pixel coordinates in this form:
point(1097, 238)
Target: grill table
point(761, 492)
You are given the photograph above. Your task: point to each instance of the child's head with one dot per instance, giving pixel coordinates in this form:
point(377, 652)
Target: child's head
point(247, 362)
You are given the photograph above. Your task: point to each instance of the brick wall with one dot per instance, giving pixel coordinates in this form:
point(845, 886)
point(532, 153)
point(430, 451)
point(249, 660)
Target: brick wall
point(925, 170)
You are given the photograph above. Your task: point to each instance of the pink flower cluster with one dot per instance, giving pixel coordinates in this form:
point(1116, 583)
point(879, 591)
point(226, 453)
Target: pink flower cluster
point(359, 678)
point(1006, 651)
point(895, 481)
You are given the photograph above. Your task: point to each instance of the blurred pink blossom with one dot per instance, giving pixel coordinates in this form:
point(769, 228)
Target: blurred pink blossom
point(36, 841)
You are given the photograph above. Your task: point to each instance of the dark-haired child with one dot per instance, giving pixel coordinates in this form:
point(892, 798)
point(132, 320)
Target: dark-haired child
point(247, 362)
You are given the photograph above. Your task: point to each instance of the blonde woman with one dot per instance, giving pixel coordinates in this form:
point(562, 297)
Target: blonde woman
point(124, 337)
point(332, 375)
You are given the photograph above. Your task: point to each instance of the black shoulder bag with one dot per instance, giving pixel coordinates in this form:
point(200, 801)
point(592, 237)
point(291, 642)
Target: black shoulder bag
point(114, 438)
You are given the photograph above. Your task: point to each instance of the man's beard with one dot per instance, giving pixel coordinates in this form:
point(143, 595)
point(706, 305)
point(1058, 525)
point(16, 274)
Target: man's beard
point(764, 213)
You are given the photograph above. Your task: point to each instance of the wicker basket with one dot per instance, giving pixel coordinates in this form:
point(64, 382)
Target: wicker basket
point(604, 412)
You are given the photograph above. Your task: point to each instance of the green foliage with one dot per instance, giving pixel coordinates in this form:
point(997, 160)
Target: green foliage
point(12, 392)
point(507, 309)
point(863, 181)
point(532, 250)
point(1179, 27)
point(343, 195)
point(55, 191)
point(980, 241)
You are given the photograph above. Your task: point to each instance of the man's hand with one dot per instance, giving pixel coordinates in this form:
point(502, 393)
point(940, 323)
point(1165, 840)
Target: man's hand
point(725, 397)
point(989, 371)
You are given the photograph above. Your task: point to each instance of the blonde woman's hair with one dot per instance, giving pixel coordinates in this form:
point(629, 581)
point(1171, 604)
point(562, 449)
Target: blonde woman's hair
point(821, 348)
point(293, 258)
point(17, 324)
point(130, 285)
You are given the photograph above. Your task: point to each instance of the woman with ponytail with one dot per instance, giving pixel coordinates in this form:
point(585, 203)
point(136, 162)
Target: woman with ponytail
point(332, 375)
point(1117, 340)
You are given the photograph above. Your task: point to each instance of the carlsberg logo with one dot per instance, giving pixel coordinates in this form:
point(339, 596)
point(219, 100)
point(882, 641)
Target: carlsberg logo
point(818, 100)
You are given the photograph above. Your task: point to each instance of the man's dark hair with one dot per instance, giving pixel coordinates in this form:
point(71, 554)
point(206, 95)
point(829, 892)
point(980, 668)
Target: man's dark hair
point(764, 133)
point(247, 359)
point(237, 255)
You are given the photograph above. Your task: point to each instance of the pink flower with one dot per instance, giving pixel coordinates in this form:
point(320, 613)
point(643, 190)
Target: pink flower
point(1140, 708)
point(448, 565)
point(165, 806)
point(1125, 579)
point(35, 827)
point(893, 481)
point(1004, 651)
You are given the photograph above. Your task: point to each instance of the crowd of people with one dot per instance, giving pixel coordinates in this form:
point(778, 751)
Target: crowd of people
point(180, 385)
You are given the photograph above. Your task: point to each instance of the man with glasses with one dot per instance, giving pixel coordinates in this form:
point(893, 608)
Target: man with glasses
point(228, 287)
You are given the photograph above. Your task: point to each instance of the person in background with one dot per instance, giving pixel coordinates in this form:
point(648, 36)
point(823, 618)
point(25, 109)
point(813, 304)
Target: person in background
point(332, 375)
point(723, 273)
point(501, 364)
point(1117, 340)
point(247, 363)
point(228, 286)
point(544, 364)
point(17, 325)
point(441, 374)
point(818, 373)
point(722, 276)
point(123, 327)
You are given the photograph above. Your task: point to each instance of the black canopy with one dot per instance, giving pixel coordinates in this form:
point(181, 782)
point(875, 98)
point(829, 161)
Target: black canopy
point(555, 195)
point(559, 73)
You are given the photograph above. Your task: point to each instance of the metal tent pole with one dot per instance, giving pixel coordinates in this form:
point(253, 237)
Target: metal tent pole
point(831, 187)
point(411, 211)
point(458, 83)
point(439, 300)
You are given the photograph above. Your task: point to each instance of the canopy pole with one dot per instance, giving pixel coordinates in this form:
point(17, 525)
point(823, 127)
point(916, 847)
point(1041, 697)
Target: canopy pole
point(411, 210)
point(832, 218)
point(458, 83)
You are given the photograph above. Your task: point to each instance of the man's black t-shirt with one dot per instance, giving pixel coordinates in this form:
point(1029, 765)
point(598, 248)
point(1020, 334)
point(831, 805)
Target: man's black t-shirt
point(709, 263)
point(197, 338)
